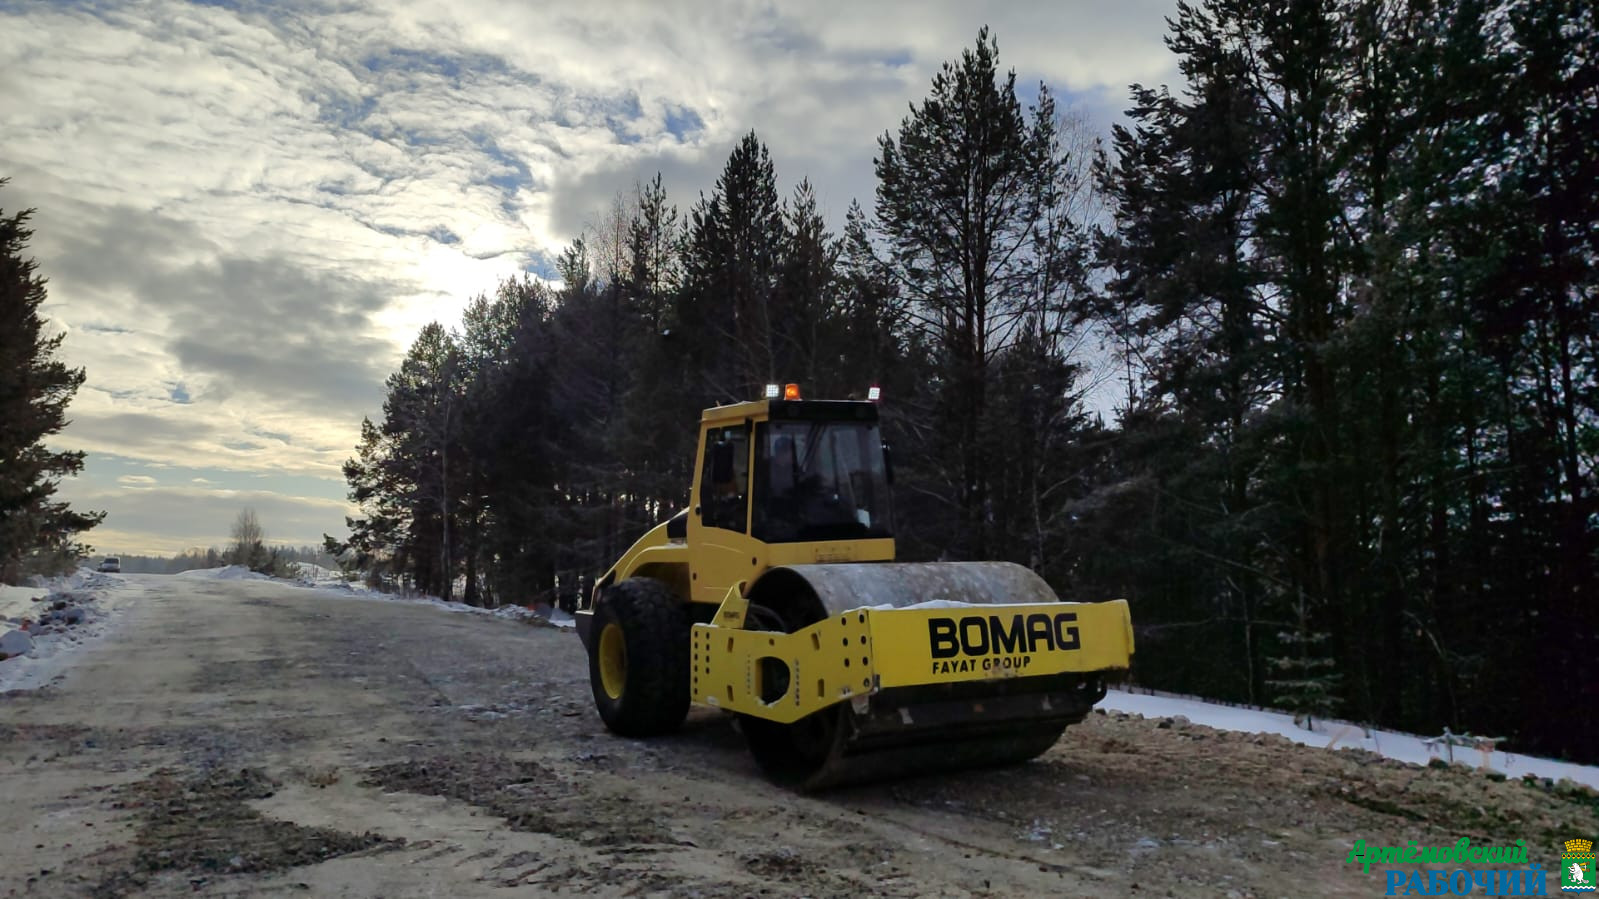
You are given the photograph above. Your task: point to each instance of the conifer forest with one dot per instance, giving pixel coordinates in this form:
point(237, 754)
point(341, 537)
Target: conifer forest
point(1301, 359)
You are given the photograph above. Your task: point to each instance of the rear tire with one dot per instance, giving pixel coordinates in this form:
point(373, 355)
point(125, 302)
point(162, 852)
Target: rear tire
point(639, 658)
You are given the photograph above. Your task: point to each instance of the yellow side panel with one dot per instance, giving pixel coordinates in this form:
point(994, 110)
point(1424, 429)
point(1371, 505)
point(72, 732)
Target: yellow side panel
point(866, 650)
point(828, 662)
point(988, 642)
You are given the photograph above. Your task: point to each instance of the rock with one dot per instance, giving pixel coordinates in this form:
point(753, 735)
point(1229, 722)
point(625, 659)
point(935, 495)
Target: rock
point(16, 643)
point(73, 615)
point(1568, 787)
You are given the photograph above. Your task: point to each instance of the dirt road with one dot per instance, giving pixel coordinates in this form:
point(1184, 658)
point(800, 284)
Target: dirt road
point(250, 738)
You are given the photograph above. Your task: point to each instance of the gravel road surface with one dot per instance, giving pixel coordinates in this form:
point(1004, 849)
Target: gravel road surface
point(249, 738)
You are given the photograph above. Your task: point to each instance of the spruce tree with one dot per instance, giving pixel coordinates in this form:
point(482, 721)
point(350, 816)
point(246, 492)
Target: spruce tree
point(36, 531)
point(731, 303)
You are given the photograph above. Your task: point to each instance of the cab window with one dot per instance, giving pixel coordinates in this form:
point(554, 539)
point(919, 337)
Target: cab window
point(819, 480)
point(724, 480)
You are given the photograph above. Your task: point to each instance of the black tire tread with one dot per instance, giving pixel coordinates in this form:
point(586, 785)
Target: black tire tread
point(655, 629)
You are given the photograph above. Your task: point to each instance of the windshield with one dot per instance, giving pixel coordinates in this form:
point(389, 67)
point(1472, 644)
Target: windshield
point(820, 480)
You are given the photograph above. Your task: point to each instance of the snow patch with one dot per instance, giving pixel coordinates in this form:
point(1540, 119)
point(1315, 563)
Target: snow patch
point(227, 573)
point(928, 604)
point(333, 586)
point(92, 602)
point(952, 604)
point(16, 602)
point(1340, 735)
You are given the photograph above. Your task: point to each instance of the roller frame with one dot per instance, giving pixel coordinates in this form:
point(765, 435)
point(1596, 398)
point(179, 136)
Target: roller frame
point(850, 656)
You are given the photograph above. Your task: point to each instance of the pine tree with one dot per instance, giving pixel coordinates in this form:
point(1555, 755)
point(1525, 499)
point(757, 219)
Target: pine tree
point(965, 194)
point(36, 532)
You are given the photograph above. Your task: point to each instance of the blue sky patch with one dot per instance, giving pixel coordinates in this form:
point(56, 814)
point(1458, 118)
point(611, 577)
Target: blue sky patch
point(512, 173)
point(683, 123)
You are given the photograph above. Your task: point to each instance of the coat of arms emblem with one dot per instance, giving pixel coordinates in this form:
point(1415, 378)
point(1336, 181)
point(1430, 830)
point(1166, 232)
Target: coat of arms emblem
point(1577, 873)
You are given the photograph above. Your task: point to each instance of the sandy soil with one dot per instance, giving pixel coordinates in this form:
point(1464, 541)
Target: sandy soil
point(247, 738)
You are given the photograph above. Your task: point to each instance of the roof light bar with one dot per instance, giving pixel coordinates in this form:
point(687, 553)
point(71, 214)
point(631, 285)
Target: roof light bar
point(791, 392)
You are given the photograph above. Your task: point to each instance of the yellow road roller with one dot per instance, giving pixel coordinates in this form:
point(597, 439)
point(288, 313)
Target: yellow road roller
point(775, 596)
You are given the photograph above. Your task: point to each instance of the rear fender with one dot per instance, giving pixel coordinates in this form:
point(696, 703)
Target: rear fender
point(657, 554)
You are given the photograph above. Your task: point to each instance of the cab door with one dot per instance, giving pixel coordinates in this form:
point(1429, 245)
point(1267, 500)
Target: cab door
point(718, 529)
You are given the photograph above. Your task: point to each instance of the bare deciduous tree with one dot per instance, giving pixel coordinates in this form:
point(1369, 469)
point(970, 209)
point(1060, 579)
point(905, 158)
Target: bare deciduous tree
point(249, 540)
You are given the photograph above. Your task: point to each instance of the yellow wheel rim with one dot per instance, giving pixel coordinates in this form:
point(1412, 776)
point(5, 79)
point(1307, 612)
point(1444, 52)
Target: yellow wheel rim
point(613, 661)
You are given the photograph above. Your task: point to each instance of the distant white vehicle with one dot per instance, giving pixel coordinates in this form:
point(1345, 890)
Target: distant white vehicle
point(112, 564)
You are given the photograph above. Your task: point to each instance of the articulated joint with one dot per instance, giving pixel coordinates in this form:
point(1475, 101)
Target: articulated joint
point(731, 612)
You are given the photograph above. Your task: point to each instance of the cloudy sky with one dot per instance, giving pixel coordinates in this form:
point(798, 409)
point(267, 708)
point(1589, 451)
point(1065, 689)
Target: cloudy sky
point(246, 211)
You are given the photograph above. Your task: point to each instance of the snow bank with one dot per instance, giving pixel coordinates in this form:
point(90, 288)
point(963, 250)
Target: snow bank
point(1340, 735)
point(555, 617)
point(333, 585)
point(228, 573)
point(316, 574)
point(93, 601)
point(16, 602)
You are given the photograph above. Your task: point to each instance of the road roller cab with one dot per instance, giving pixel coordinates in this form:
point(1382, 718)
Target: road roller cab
point(775, 596)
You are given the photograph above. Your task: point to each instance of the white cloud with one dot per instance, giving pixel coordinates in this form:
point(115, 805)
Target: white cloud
point(165, 520)
point(246, 214)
